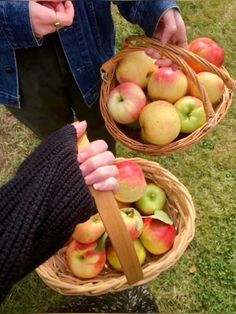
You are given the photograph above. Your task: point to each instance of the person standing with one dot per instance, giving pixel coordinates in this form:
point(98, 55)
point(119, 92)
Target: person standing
point(51, 53)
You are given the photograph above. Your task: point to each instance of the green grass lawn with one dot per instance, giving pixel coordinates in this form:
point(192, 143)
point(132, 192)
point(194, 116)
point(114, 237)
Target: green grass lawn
point(203, 280)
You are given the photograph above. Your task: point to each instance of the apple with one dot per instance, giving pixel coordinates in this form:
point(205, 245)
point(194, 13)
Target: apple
point(133, 221)
point(154, 198)
point(157, 237)
point(167, 84)
point(86, 260)
point(90, 230)
point(131, 181)
point(160, 123)
point(191, 112)
point(135, 67)
point(208, 49)
point(213, 85)
point(114, 261)
point(125, 102)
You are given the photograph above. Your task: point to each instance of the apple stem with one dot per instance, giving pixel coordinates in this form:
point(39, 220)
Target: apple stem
point(130, 211)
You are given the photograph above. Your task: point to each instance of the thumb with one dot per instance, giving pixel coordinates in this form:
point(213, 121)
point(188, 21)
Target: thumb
point(80, 128)
point(167, 34)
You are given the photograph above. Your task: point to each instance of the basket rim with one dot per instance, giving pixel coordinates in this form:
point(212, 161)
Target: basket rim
point(108, 74)
point(151, 269)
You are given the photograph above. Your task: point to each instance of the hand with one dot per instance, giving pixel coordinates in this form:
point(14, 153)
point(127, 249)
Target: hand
point(44, 14)
point(97, 163)
point(170, 29)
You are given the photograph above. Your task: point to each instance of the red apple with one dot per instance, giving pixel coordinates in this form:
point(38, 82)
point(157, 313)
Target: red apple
point(114, 261)
point(157, 237)
point(167, 84)
point(133, 221)
point(131, 180)
point(207, 49)
point(135, 67)
point(90, 230)
point(125, 102)
point(86, 260)
point(160, 123)
point(213, 85)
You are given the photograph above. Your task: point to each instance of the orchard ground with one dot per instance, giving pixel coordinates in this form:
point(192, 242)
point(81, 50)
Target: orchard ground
point(202, 280)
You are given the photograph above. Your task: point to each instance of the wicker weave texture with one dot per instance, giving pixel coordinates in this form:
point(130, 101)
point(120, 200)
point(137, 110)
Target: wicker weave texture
point(178, 56)
point(180, 207)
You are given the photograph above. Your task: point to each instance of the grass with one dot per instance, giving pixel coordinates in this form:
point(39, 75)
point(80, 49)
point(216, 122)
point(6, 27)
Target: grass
point(203, 279)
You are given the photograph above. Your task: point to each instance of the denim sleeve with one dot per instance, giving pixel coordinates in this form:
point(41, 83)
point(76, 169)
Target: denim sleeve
point(15, 24)
point(145, 13)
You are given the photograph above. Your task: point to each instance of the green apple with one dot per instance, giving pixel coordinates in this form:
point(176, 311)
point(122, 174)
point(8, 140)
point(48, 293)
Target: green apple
point(191, 113)
point(153, 199)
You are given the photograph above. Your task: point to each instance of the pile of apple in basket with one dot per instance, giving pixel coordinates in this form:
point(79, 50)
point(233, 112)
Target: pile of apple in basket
point(143, 209)
point(157, 110)
point(162, 102)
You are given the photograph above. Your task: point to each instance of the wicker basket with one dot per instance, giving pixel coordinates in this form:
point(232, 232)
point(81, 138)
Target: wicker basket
point(56, 274)
point(177, 55)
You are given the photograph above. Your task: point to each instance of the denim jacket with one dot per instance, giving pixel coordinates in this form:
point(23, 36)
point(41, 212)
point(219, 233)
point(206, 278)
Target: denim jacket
point(88, 43)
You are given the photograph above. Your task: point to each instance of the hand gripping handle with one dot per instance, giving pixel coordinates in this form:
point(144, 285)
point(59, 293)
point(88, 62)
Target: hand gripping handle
point(116, 229)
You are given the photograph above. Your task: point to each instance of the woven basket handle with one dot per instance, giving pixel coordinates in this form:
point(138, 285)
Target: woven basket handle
point(116, 229)
point(141, 40)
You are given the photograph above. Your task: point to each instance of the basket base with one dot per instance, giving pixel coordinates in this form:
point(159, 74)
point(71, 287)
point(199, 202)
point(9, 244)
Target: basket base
point(134, 300)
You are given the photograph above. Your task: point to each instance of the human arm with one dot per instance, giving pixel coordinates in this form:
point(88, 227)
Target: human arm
point(47, 197)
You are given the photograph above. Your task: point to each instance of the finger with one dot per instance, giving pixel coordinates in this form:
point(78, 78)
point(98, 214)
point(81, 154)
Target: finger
point(80, 128)
point(175, 67)
point(170, 27)
point(109, 184)
point(92, 149)
point(163, 62)
point(60, 8)
point(152, 53)
point(100, 160)
point(66, 17)
point(47, 4)
point(181, 37)
point(101, 174)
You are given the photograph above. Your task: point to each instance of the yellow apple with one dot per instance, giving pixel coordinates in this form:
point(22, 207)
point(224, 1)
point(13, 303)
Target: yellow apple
point(90, 230)
point(160, 123)
point(114, 261)
point(135, 67)
point(213, 85)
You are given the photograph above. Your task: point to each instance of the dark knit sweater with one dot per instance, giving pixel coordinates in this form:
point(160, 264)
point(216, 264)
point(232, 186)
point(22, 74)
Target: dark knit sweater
point(40, 207)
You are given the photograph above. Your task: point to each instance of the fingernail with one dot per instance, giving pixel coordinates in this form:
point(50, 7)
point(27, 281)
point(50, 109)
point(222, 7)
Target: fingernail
point(82, 168)
point(96, 186)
